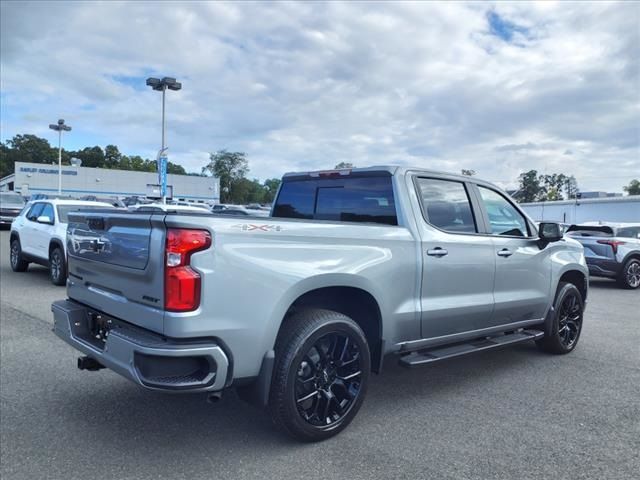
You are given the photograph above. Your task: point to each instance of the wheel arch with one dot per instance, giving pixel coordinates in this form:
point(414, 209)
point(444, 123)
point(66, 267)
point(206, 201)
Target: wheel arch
point(577, 278)
point(14, 236)
point(628, 257)
point(354, 302)
point(55, 242)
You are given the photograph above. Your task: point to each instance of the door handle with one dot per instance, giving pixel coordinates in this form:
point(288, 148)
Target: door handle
point(505, 252)
point(437, 252)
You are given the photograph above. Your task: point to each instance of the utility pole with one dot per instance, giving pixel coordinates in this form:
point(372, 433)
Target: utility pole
point(60, 127)
point(161, 86)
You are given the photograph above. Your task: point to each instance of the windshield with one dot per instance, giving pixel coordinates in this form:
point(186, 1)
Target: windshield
point(64, 210)
point(11, 200)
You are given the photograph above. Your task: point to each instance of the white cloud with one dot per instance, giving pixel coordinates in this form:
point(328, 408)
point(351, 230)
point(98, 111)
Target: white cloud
point(307, 85)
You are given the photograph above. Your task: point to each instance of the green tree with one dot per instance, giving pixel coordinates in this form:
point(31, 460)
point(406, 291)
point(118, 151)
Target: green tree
point(112, 157)
point(230, 168)
point(175, 168)
point(554, 184)
point(571, 187)
point(530, 188)
point(633, 188)
point(31, 148)
point(247, 191)
point(271, 186)
point(91, 157)
point(344, 165)
point(6, 164)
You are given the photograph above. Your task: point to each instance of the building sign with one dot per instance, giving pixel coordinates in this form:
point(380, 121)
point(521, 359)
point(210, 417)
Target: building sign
point(162, 168)
point(53, 171)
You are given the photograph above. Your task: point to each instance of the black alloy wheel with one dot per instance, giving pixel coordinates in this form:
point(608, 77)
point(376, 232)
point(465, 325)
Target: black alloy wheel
point(570, 320)
point(564, 324)
point(328, 379)
point(320, 376)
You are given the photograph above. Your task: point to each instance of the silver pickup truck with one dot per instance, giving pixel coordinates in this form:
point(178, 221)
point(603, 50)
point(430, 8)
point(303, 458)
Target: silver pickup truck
point(296, 310)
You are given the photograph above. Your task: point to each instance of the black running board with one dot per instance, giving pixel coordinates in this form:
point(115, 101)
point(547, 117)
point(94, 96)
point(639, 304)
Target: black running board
point(436, 354)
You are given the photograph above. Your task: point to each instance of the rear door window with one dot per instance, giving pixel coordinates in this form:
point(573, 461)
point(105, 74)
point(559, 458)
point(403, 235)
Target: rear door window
point(353, 199)
point(446, 205)
point(629, 232)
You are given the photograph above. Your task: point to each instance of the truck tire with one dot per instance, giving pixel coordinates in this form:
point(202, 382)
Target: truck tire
point(321, 374)
point(57, 266)
point(630, 274)
point(563, 332)
point(18, 263)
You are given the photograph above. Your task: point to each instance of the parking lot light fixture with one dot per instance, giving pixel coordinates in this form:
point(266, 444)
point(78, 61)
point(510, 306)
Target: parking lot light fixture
point(161, 85)
point(60, 127)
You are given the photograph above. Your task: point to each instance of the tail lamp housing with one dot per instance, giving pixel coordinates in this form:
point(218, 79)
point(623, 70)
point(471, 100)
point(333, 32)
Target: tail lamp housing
point(613, 243)
point(182, 284)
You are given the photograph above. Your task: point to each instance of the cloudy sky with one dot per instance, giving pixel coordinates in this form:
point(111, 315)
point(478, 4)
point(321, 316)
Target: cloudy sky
point(496, 87)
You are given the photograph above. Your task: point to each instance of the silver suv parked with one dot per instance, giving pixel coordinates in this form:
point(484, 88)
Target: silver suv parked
point(611, 250)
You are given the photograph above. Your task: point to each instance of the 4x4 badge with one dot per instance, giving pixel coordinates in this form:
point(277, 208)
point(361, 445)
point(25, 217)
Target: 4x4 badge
point(250, 227)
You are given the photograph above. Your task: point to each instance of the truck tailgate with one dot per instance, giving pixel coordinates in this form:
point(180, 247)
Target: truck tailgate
point(116, 264)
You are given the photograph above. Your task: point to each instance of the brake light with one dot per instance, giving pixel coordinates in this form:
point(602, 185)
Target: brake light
point(181, 282)
point(613, 243)
point(331, 173)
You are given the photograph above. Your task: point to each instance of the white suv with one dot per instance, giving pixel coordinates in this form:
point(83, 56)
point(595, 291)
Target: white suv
point(38, 235)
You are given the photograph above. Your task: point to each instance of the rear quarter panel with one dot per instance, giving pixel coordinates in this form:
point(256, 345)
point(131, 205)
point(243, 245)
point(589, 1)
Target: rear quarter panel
point(258, 267)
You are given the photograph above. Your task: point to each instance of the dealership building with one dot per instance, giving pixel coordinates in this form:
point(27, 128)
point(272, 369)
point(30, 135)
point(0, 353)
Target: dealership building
point(608, 209)
point(78, 181)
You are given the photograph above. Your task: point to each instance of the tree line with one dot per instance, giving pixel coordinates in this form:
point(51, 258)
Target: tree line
point(33, 149)
point(534, 187)
point(232, 169)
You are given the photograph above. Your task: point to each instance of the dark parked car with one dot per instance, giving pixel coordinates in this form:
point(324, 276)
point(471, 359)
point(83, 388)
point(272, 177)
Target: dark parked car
point(11, 204)
point(612, 251)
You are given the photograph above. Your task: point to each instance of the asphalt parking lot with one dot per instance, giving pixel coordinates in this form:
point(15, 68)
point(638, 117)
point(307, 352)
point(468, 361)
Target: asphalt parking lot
point(512, 414)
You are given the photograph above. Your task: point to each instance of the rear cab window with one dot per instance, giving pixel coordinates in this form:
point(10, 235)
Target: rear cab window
point(590, 231)
point(341, 198)
point(446, 205)
point(629, 232)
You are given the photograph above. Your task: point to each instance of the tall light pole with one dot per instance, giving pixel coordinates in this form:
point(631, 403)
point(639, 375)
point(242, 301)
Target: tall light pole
point(60, 127)
point(161, 86)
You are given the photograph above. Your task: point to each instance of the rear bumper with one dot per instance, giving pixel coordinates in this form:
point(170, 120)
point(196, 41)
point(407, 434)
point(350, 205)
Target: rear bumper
point(602, 267)
point(144, 357)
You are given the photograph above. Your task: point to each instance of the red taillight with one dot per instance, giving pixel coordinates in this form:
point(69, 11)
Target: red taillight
point(613, 243)
point(332, 173)
point(181, 282)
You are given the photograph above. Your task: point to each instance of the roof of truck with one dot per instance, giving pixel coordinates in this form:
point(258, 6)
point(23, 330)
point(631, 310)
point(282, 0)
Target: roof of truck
point(391, 169)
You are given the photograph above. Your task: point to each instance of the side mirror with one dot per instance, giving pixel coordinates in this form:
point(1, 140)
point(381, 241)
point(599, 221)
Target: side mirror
point(45, 219)
point(549, 232)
